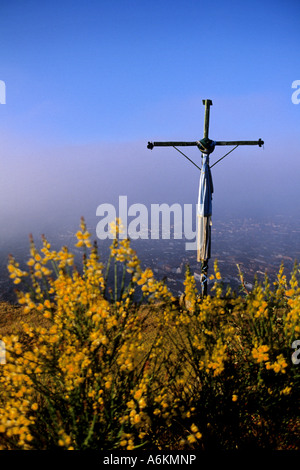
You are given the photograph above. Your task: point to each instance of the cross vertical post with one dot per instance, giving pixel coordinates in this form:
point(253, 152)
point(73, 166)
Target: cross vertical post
point(204, 211)
point(204, 218)
point(207, 104)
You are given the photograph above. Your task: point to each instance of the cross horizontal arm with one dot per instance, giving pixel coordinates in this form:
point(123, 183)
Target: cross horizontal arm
point(240, 142)
point(171, 144)
point(196, 143)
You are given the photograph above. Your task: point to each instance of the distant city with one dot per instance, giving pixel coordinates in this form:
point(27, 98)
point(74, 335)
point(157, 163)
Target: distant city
point(257, 246)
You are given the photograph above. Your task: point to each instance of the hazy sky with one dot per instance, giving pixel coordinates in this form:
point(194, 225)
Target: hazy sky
point(89, 83)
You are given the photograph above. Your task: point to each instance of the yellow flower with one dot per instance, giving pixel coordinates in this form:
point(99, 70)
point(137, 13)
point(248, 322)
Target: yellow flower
point(145, 276)
point(191, 439)
point(279, 365)
point(286, 391)
point(116, 227)
point(142, 403)
point(83, 236)
point(290, 292)
point(130, 445)
point(107, 384)
point(194, 428)
point(261, 353)
point(138, 394)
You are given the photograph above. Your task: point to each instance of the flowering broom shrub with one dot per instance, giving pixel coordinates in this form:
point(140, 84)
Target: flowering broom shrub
point(130, 366)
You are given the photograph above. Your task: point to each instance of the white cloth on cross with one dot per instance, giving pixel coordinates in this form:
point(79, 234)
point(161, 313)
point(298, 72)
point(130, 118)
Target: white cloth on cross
point(204, 211)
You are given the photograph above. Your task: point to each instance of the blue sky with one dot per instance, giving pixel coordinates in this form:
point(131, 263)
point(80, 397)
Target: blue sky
point(88, 83)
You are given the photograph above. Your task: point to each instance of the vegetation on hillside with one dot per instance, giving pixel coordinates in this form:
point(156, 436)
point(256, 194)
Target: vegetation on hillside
point(129, 367)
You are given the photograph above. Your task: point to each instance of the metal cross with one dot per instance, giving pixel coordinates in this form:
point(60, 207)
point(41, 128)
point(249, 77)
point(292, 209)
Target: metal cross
point(206, 146)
